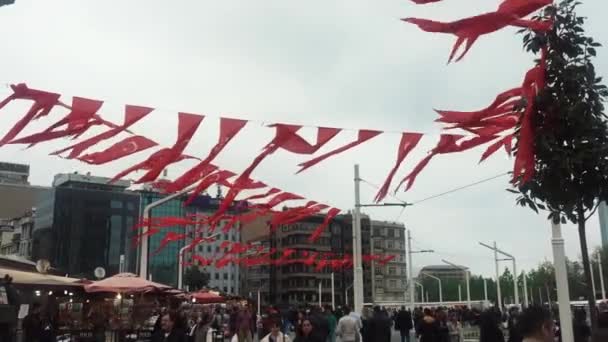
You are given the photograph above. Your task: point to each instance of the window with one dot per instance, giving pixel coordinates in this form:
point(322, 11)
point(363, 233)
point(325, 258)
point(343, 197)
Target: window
point(225, 276)
point(392, 270)
point(225, 289)
point(217, 249)
point(392, 284)
point(376, 231)
point(209, 249)
point(200, 249)
point(232, 290)
point(390, 244)
point(391, 233)
point(116, 204)
point(217, 276)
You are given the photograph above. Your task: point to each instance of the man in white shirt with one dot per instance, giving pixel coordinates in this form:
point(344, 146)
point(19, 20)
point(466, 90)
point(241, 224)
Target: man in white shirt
point(348, 327)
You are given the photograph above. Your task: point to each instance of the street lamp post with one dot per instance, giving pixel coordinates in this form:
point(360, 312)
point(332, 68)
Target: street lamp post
point(180, 263)
point(421, 291)
point(510, 257)
point(440, 289)
point(411, 267)
point(143, 255)
point(467, 277)
point(357, 250)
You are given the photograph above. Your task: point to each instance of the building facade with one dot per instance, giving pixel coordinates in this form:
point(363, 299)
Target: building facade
point(389, 282)
point(11, 173)
point(84, 223)
point(446, 272)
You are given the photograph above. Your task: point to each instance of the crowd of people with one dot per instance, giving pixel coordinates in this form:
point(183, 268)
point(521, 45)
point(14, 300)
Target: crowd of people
point(238, 323)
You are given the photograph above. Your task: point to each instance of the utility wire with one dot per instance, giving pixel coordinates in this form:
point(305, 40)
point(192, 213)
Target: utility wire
point(461, 188)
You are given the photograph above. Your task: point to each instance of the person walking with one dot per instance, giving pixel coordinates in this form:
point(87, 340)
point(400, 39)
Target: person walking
point(32, 325)
point(380, 326)
point(244, 325)
point(454, 328)
point(309, 333)
point(332, 322)
point(489, 328)
point(275, 335)
point(428, 328)
point(348, 327)
point(168, 332)
point(536, 325)
point(403, 323)
point(514, 335)
point(443, 334)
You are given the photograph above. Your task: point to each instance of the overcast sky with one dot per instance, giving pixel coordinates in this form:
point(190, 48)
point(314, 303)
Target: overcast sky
point(349, 64)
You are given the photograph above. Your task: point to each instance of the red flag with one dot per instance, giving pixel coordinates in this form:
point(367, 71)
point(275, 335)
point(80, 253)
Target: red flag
point(447, 143)
point(468, 30)
point(270, 192)
point(81, 117)
point(297, 144)
point(228, 129)
point(43, 103)
point(132, 115)
point(506, 141)
point(496, 108)
point(187, 126)
point(202, 260)
point(248, 184)
point(333, 212)
point(280, 137)
point(423, 2)
point(280, 198)
point(363, 136)
point(408, 142)
point(207, 182)
point(119, 150)
point(168, 238)
point(151, 162)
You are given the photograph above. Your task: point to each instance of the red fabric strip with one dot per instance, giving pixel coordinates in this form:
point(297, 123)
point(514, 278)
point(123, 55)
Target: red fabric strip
point(495, 146)
point(316, 234)
point(363, 136)
point(121, 149)
point(408, 142)
point(297, 144)
point(132, 115)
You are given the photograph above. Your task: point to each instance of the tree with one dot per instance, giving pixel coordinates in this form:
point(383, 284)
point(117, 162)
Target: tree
point(196, 279)
point(570, 130)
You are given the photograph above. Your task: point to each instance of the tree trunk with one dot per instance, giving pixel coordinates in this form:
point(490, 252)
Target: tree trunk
point(582, 234)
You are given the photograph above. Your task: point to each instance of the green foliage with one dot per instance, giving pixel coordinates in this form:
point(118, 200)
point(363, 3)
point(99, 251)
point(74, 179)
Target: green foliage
point(571, 140)
point(195, 278)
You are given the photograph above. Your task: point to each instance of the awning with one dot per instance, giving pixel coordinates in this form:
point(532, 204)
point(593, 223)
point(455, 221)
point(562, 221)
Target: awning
point(34, 278)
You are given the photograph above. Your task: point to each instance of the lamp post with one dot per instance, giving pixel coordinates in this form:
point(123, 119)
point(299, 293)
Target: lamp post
point(411, 267)
point(440, 289)
point(357, 251)
point(421, 291)
point(180, 263)
point(510, 257)
point(467, 277)
point(143, 255)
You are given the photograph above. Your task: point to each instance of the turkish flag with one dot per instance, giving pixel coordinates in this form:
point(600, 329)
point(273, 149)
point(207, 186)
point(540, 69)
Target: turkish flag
point(270, 192)
point(207, 182)
point(132, 115)
point(408, 142)
point(506, 142)
point(333, 212)
point(187, 126)
point(363, 136)
point(229, 128)
point(119, 150)
point(83, 115)
point(297, 144)
point(42, 106)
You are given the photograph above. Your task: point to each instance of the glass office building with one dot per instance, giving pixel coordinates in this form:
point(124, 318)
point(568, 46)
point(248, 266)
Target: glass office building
point(84, 223)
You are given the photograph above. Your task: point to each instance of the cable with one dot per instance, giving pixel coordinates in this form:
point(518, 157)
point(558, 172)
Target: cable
point(460, 188)
point(377, 187)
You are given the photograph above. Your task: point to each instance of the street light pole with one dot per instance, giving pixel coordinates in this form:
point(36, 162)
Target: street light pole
point(411, 266)
point(467, 277)
point(143, 259)
point(358, 267)
point(440, 289)
point(496, 260)
point(421, 291)
point(526, 302)
point(180, 262)
point(599, 263)
point(561, 279)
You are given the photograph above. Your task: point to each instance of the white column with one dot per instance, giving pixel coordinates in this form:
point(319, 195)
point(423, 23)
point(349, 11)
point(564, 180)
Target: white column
point(459, 293)
point(468, 276)
point(259, 304)
point(515, 283)
point(592, 277)
point(485, 289)
point(333, 293)
point(320, 303)
point(410, 271)
point(526, 302)
point(498, 295)
point(599, 263)
point(358, 268)
point(561, 278)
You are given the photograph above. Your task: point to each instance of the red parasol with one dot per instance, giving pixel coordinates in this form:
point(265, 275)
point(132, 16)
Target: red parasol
point(207, 297)
point(124, 282)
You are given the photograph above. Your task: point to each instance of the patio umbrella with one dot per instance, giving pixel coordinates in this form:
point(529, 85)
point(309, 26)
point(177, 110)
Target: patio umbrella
point(207, 297)
point(125, 283)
